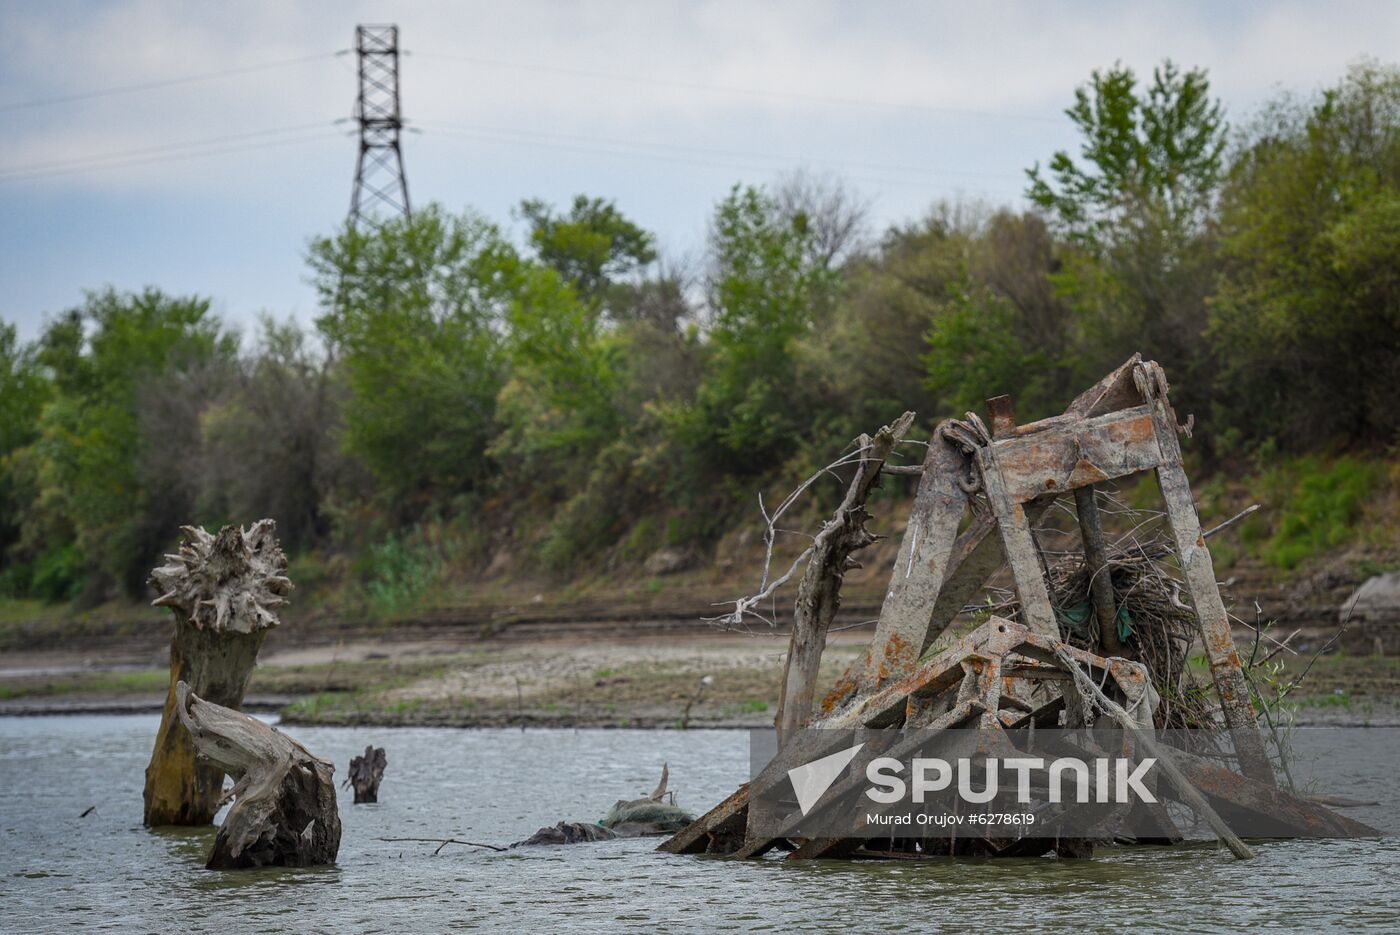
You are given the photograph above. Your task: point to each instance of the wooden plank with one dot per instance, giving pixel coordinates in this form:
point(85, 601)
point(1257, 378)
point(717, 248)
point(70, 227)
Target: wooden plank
point(922, 565)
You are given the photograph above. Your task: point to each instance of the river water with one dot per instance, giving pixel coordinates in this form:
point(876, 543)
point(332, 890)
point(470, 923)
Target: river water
point(60, 872)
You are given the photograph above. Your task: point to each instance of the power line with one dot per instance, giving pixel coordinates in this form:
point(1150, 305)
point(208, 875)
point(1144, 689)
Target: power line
point(690, 154)
point(654, 81)
point(159, 148)
point(775, 162)
point(99, 164)
point(162, 83)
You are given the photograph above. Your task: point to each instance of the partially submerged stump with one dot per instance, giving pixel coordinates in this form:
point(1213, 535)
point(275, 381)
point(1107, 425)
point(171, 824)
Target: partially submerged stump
point(284, 812)
point(366, 771)
point(224, 591)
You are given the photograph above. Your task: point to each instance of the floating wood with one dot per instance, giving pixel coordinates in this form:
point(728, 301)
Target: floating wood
point(283, 812)
point(224, 592)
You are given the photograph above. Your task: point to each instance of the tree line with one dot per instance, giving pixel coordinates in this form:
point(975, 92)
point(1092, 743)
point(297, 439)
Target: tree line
point(590, 402)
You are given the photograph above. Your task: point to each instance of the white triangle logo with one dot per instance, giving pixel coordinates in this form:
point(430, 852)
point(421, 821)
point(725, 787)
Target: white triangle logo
point(811, 781)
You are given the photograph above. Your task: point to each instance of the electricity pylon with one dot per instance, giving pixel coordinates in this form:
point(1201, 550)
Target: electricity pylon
point(380, 182)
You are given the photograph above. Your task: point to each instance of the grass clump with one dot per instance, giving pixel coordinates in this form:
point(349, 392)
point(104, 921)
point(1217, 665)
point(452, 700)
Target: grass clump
point(1321, 506)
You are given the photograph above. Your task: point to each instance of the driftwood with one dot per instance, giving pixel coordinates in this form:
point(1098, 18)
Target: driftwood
point(224, 592)
point(819, 592)
point(284, 812)
point(365, 773)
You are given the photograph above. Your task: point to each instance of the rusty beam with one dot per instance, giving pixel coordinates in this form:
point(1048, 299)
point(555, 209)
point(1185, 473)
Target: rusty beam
point(923, 563)
point(1193, 556)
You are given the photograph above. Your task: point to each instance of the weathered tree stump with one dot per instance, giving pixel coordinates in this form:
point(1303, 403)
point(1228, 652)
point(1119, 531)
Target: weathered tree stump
point(365, 773)
point(224, 591)
point(284, 812)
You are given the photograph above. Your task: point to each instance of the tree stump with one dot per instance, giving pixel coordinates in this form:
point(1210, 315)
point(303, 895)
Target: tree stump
point(224, 591)
point(365, 773)
point(284, 812)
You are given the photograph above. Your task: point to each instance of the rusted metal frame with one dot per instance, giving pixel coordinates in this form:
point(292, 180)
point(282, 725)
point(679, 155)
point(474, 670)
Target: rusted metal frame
point(890, 705)
point(1019, 546)
point(695, 837)
point(1144, 739)
point(1197, 569)
point(981, 681)
point(976, 557)
point(1096, 564)
point(993, 639)
point(993, 742)
point(922, 565)
point(1130, 677)
point(1078, 453)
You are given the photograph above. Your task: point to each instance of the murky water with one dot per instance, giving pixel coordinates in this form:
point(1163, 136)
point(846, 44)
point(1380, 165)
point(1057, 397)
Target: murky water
point(61, 872)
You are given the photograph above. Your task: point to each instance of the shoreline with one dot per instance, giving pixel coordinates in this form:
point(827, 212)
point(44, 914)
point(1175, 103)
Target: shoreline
point(627, 678)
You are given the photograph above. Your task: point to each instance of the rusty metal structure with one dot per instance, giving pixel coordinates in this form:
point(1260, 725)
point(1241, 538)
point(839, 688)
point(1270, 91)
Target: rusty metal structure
point(1006, 677)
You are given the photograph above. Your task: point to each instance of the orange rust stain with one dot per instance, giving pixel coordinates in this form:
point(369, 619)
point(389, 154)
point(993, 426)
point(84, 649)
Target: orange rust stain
point(1138, 430)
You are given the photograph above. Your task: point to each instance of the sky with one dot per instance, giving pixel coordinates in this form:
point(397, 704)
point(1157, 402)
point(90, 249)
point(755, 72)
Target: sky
point(129, 156)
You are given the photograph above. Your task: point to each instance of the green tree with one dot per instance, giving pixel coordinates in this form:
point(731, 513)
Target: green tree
point(561, 403)
point(414, 311)
point(591, 246)
point(767, 291)
point(1148, 161)
point(1137, 206)
point(109, 469)
point(1307, 318)
point(23, 392)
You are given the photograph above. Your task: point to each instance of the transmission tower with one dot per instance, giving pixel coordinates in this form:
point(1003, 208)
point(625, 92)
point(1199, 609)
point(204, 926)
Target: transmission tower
point(380, 182)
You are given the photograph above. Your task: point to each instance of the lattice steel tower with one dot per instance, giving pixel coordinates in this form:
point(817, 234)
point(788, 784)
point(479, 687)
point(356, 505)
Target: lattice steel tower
point(380, 182)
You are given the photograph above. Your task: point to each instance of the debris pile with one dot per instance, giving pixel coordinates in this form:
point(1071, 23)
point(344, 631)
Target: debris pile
point(1098, 638)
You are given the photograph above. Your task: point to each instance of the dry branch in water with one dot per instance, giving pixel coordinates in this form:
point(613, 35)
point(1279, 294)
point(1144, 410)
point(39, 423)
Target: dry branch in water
point(744, 606)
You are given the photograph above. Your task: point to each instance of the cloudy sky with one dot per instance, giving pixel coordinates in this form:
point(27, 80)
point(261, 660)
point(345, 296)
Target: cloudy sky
point(130, 156)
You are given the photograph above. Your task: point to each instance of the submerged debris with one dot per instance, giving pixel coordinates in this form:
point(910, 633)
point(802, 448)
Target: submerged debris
point(651, 815)
point(1102, 633)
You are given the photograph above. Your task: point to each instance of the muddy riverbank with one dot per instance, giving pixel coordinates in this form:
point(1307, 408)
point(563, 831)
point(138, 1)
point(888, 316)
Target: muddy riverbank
point(646, 679)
